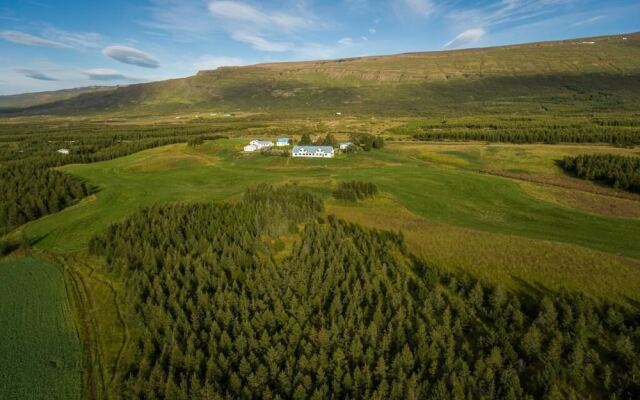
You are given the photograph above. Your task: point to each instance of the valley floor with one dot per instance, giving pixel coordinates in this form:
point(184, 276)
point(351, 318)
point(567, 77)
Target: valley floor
point(503, 212)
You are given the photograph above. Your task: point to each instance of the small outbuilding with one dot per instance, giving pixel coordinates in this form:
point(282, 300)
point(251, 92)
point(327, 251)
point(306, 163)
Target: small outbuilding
point(250, 148)
point(282, 142)
point(345, 145)
point(64, 151)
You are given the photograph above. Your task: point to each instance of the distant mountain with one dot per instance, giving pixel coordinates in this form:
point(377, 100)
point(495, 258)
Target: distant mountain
point(33, 99)
point(581, 74)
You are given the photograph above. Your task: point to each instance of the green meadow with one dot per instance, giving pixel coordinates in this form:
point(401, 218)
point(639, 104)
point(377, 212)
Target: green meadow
point(440, 189)
point(40, 352)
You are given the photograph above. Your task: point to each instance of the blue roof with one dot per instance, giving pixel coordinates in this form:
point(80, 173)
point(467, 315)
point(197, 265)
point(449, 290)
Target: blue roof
point(283, 139)
point(312, 149)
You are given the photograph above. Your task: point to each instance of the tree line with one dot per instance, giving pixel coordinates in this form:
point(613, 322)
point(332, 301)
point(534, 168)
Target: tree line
point(216, 311)
point(29, 188)
point(355, 190)
point(364, 141)
point(533, 135)
point(620, 172)
point(620, 132)
point(28, 192)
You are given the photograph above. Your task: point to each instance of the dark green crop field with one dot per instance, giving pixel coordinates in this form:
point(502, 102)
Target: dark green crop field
point(40, 352)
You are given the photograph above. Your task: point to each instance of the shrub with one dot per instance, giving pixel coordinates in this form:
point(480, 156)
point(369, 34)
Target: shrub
point(355, 190)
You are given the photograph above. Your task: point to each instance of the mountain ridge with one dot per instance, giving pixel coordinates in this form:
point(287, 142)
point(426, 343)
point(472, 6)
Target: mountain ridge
point(544, 72)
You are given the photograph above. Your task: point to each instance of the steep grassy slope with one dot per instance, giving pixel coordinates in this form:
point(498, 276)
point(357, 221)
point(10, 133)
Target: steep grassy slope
point(577, 75)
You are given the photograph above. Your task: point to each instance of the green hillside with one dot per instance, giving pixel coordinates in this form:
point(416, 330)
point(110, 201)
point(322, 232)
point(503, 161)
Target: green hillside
point(37, 98)
point(580, 75)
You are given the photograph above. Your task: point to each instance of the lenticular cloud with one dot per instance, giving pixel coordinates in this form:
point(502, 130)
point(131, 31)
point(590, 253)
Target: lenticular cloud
point(129, 55)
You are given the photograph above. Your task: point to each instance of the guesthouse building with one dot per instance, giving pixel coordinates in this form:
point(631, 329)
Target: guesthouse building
point(313, 151)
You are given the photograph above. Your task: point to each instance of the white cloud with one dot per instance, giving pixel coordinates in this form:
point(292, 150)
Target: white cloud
point(242, 12)
point(260, 43)
point(264, 30)
point(129, 55)
point(106, 74)
point(372, 31)
point(466, 38)
point(182, 16)
point(30, 40)
point(347, 41)
point(588, 21)
point(215, 62)
point(33, 74)
point(505, 12)
point(53, 37)
point(77, 40)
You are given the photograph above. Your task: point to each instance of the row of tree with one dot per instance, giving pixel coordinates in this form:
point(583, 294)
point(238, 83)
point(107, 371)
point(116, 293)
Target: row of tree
point(355, 190)
point(328, 140)
point(363, 141)
point(620, 172)
point(28, 192)
point(367, 141)
point(29, 188)
point(617, 131)
point(343, 312)
point(626, 138)
point(37, 143)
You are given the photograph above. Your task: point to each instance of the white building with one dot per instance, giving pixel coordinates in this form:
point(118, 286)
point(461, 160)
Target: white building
point(313, 151)
point(261, 144)
point(250, 148)
point(345, 145)
point(281, 142)
point(63, 151)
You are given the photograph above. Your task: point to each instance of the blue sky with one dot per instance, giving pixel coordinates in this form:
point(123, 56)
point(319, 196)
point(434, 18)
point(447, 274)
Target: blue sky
point(49, 45)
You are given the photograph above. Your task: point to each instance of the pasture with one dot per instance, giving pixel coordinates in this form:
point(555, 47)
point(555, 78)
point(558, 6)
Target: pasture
point(40, 352)
point(453, 195)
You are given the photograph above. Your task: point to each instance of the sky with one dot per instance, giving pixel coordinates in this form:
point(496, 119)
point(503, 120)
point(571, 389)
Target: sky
point(50, 45)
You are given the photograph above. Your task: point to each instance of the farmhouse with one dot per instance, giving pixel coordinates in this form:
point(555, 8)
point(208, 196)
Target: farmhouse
point(313, 151)
point(63, 151)
point(261, 144)
point(345, 145)
point(281, 142)
point(250, 148)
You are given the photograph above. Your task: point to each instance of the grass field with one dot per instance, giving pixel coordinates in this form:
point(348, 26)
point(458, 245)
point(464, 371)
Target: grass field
point(439, 186)
point(40, 353)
